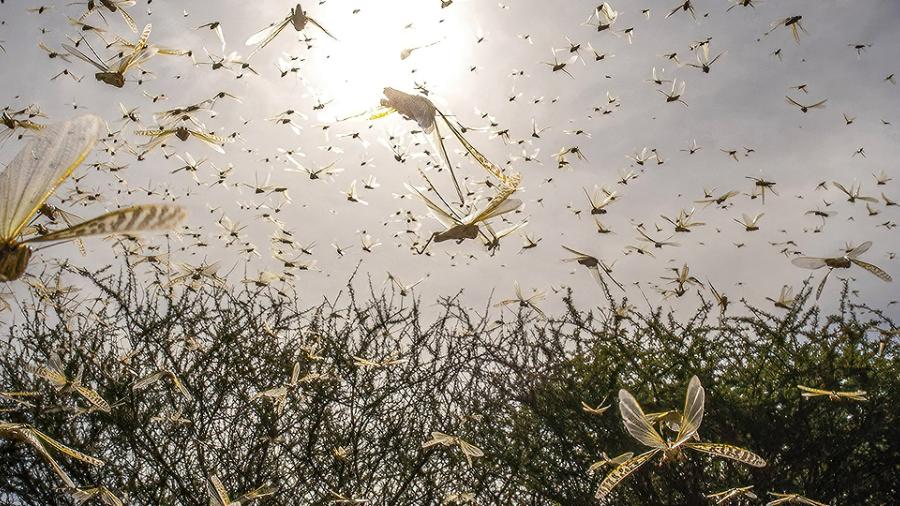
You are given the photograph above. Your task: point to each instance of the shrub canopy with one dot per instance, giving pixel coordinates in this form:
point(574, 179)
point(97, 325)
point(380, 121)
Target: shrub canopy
point(377, 373)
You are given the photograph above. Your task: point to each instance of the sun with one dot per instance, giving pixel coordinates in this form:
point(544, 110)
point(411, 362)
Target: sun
point(397, 43)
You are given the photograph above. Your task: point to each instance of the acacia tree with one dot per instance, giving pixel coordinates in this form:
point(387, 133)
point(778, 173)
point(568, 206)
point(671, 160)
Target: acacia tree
point(373, 377)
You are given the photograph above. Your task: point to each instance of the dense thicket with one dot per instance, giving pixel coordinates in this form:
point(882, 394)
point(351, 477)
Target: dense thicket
point(511, 386)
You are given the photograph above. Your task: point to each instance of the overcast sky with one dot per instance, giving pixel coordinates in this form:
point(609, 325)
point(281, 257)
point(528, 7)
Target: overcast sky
point(483, 64)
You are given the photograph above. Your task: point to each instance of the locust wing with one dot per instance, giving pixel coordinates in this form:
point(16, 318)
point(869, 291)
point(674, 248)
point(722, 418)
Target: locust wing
point(730, 452)
point(621, 472)
point(40, 167)
point(263, 37)
point(636, 422)
point(873, 269)
point(148, 217)
point(692, 416)
point(809, 262)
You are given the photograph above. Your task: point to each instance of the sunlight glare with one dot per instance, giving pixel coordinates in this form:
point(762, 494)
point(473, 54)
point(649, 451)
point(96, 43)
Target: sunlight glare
point(368, 57)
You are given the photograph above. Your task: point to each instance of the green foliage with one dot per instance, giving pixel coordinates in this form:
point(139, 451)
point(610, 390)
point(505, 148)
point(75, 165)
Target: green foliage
point(512, 387)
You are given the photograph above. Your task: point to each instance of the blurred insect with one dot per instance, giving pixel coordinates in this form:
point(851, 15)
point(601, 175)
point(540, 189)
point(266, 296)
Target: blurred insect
point(114, 75)
point(842, 262)
point(105, 495)
point(33, 437)
point(639, 425)
point(525, 302)
point(703, 61)
point(792, 499)
point(111, 6)
point(560, 66)
point(297, 18)
point(684, 6)
point(605, 15)
point(55, 215)
point(460, 228)
point(13, 125)
point(218, 496)
point(599, 410)
point(16, 397)
point(468, 450)
point(37, 171)
point(674, 95)
point(805, 108)
point(183, 133)
point(607, 461)
point(792, 22)
point(853, 193)
point(406, 53)
point(720, 200)
point(54, 372)
point(858, 395)
point(760, 185)
point(278, 395)
point(683, 222)
point(786, 298)
point(681, 280)
point(721, 298)
point(600, 199)
point(215, 26)
point(750, 224)
point(731, 494)
point(159, 374)
point(594, 265)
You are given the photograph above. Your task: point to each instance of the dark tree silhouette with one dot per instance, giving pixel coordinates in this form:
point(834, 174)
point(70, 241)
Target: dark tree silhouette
point(378, 373)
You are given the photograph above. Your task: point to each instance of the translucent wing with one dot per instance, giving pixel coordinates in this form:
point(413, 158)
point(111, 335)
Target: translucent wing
point(147, 381)
point(81, 56)
point(621, 472)
point(470, 451)
point(812, 392)
point(218, 496)
point(820, 103)
point(154, 133)
point(31, 436)
point(693, 411)
point(859, 250)
point(40, 167)
point(55, 377)
point(128, 20)
point(495, 209)
point(438, 438)
point(873, 269)
point(126, 62)
point(148, 217)
point(574, 252)
point(438, 139)
point(636, 422)
point(181, 388)
point(809, 262)
point(266, 35)
point(65, 450)
point(442, 215)
point(261, 491)
point(313, 21)
point(213, 141)
point(382, 112)
point(730, 452)
point(481, 159)
point(499, 204)
point(94, 398)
